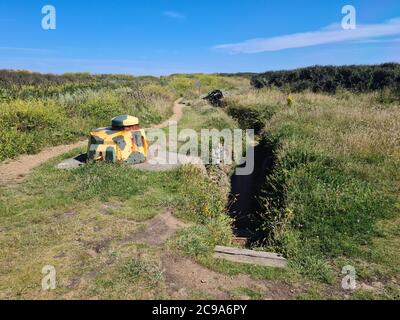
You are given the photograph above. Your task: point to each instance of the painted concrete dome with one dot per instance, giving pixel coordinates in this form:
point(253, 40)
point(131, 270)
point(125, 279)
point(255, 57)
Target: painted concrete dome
point(124, 121)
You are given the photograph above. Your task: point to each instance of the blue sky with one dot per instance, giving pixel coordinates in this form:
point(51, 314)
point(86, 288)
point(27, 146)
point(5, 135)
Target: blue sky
point(173, 36)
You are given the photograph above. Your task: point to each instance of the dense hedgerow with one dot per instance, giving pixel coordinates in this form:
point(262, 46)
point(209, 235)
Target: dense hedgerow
point(357, 78)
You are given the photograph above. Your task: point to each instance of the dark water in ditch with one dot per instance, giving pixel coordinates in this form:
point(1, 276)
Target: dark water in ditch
point(244, 205)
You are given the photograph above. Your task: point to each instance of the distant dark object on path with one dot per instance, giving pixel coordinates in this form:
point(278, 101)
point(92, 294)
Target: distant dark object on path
point(215, 98)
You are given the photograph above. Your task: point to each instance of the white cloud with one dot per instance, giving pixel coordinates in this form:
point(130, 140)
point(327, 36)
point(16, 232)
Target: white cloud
point(174, 15)
point(330, 34)
point(391, 40)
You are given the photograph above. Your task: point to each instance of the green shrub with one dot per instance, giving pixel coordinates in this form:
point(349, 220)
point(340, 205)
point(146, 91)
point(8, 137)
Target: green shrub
point(199, 200)
point(183, 86)
point(31, 115)
point(43, 110)
point(100, 107)
point(250, 117)
point(25, 126)
point(359, 78)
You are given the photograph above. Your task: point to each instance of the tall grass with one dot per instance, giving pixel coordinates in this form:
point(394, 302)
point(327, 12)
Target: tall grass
point(39, 110)
point(29, 124)
point(337, 160)
point(195, 85)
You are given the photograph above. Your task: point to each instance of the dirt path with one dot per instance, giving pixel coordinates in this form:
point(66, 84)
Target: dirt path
point(12, 171)
point(184, 277)
point(158, 230)
point(177, 113)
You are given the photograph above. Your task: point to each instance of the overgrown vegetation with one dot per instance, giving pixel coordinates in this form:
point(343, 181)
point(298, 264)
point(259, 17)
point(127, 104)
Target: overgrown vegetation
point(330, 79)
point(195, 85)
point(196, 241)
point(42, 110)
point(336, 160)
point(38, 110)
point(209, 214)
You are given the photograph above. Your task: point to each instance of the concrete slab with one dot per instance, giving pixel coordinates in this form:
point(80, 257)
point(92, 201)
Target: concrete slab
point(72, 163)
point(163, 161)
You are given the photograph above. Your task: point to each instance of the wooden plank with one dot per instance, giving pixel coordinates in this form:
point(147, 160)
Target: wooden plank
point(268, 259)
point(248, 252)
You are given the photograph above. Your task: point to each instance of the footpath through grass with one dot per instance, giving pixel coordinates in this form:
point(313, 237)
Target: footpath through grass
point(82, 222)
point(41, 110)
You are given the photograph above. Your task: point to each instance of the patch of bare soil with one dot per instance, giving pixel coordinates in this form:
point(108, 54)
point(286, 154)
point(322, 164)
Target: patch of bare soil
point(12, 171)
point(176, 115)
point(107, 208)
point(184, 277)
point(157, 230)
point(98, 246)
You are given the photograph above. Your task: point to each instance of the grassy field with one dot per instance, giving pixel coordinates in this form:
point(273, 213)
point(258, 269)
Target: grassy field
point(330, 200)
point(86, 225)
point(30, 123)
point(83, 225)
point(337, 181)
point(43, 110)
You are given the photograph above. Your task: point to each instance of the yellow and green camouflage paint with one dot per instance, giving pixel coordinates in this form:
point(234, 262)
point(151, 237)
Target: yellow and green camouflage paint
point(124, 141)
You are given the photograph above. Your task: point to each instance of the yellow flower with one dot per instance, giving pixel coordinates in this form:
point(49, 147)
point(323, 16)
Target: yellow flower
point(289, 100)
point(207, 211)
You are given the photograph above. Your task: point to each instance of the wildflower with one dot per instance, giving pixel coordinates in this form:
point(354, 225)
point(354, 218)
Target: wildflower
point(207, 212)
point(289, 100)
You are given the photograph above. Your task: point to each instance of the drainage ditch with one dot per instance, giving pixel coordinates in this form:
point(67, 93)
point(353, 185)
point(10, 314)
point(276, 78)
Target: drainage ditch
point(245, 205)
